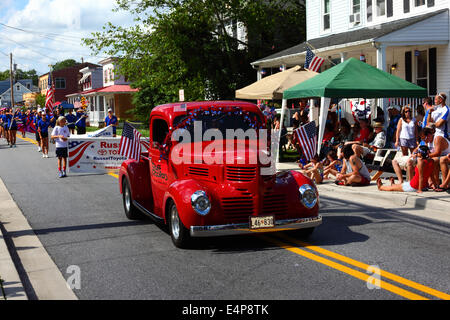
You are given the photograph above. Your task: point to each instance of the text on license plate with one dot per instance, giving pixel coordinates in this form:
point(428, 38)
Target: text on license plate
point(262, 222)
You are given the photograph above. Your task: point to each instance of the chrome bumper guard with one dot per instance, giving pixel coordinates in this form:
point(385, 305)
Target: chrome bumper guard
point(243, 228)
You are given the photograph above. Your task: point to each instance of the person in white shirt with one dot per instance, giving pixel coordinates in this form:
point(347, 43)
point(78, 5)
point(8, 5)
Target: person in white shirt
point(406, 137)
point(440, 116)
point(61, 136)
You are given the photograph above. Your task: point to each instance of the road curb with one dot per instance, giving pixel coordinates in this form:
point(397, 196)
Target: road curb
point(42, 278)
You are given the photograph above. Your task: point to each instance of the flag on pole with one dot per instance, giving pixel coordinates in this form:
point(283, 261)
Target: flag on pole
point(50, 94)
point(312, 61)
point(130, 143)
point(307, 137)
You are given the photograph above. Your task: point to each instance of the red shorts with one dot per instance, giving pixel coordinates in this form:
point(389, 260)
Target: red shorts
point(364, 182)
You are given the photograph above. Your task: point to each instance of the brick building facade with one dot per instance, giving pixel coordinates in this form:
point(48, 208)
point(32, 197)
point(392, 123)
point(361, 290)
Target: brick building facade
point(66, 80)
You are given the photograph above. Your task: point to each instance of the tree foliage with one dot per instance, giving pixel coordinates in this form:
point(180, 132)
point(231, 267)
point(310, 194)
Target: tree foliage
point(187, 44)
point(64, 64)
point(20, 75)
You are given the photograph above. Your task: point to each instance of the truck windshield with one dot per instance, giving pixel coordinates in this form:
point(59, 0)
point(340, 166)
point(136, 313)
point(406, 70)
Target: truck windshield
point(220, 122)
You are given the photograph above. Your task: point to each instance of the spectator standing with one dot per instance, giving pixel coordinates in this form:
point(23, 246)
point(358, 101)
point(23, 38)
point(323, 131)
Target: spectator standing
point(394, 117)
point(406, 131)
point(440, 115)
point(111, 120)
point(427, 104)
point(61, 134)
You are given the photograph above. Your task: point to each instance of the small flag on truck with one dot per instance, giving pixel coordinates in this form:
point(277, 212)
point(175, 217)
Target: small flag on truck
point(130, 143)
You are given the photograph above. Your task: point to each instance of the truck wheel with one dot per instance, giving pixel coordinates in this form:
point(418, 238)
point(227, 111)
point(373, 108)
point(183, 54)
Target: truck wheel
point(178, 232)
point(131, 211)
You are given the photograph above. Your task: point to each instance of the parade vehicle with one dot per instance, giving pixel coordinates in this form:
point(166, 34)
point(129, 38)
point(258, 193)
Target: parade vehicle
point(197, 197)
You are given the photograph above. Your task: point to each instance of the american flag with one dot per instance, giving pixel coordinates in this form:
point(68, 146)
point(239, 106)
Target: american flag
point(130, 143)
point(307, 138)
point(50, 94)
point(312, 61)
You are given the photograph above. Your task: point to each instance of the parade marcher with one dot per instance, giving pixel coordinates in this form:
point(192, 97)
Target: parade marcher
point(71, 119)
point(407, 133)
point(36, 119)
point(12, 128)
point(111, 120)
point(81, 121)
point(423, 171)
point(61, 134)
point(440, 116)
point(43, 126)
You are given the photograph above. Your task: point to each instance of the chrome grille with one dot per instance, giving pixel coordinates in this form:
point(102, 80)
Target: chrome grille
point(240, 174)
point(274, 204)
point(238, 209)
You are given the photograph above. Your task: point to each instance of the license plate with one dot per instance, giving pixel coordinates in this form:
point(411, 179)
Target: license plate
point(262, 222)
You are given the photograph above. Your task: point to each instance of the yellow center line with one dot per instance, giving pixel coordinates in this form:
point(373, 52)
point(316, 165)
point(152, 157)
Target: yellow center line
point(364, 266)
point(113, 175)
point(357, 274)
point(27, 139)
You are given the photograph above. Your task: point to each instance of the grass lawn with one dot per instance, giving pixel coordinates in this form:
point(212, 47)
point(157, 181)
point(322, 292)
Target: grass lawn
point(144, 132)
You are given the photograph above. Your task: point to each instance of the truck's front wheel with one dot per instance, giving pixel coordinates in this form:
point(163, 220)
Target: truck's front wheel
point(131, 211)
point(179, 233)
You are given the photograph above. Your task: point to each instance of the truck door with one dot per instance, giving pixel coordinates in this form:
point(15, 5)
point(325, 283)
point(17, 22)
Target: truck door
point(159, 168)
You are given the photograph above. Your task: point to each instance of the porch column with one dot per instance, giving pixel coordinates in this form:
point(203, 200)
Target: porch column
point(343, 56)
point(258, 74)
point(381, 64)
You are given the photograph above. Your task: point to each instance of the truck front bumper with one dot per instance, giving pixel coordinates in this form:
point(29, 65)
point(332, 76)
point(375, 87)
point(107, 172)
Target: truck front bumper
point(243, 228)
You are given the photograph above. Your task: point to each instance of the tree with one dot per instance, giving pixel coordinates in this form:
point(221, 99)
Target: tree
point(190, 45)
point(40, 100)
point(21, 75)
point(64, 64)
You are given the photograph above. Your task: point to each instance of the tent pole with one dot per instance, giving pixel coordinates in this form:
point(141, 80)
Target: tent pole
point(283, 113)
point(324, 106)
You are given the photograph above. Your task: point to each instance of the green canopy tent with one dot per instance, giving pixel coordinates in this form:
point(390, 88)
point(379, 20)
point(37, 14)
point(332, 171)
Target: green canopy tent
point(352, 79)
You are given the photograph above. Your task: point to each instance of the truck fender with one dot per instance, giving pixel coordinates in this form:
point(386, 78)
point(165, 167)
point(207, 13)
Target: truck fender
point(138, 175)
point(180, 192)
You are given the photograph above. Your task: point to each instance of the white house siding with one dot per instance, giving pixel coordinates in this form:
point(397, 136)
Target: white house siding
point(341, 9)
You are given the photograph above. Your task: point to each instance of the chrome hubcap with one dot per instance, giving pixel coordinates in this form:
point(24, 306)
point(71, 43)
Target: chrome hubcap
point(175, 222)
point(127, 199)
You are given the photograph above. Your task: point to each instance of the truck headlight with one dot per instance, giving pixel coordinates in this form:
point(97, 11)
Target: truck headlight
point(200, 203)
point(308, 196)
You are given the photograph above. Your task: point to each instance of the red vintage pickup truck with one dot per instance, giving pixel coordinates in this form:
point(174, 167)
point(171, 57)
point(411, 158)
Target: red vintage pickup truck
point(200, 190)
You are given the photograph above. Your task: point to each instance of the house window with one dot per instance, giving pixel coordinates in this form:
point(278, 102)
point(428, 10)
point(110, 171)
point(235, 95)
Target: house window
point(18, 88)
point(422, 69)
point(28, 86)
point(381, 7)
point(369, 10)
point(406, 6)
point(60, 83)
point(419, 2)
point(326, 14)
point(430, 3)
point(355, 17)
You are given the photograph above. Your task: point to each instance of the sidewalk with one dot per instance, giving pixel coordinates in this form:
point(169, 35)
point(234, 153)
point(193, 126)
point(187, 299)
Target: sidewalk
point(437, 204)
point(45, 281)
point(14, 289)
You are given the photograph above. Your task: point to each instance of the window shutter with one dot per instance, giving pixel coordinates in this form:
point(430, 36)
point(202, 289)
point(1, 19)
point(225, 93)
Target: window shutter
point(389, 8)
point(433, 71)
point(408, 64)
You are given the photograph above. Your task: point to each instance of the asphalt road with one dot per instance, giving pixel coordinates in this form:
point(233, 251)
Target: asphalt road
point(80, 221)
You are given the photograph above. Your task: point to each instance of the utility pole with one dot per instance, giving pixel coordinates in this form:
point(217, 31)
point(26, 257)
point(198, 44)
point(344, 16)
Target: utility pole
point(11, 79)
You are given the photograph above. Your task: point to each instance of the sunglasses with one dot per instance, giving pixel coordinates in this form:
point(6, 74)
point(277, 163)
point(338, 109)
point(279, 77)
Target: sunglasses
point(407, 111)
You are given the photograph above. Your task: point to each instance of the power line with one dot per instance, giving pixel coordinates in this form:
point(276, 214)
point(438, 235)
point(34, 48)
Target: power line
point(41, 33)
